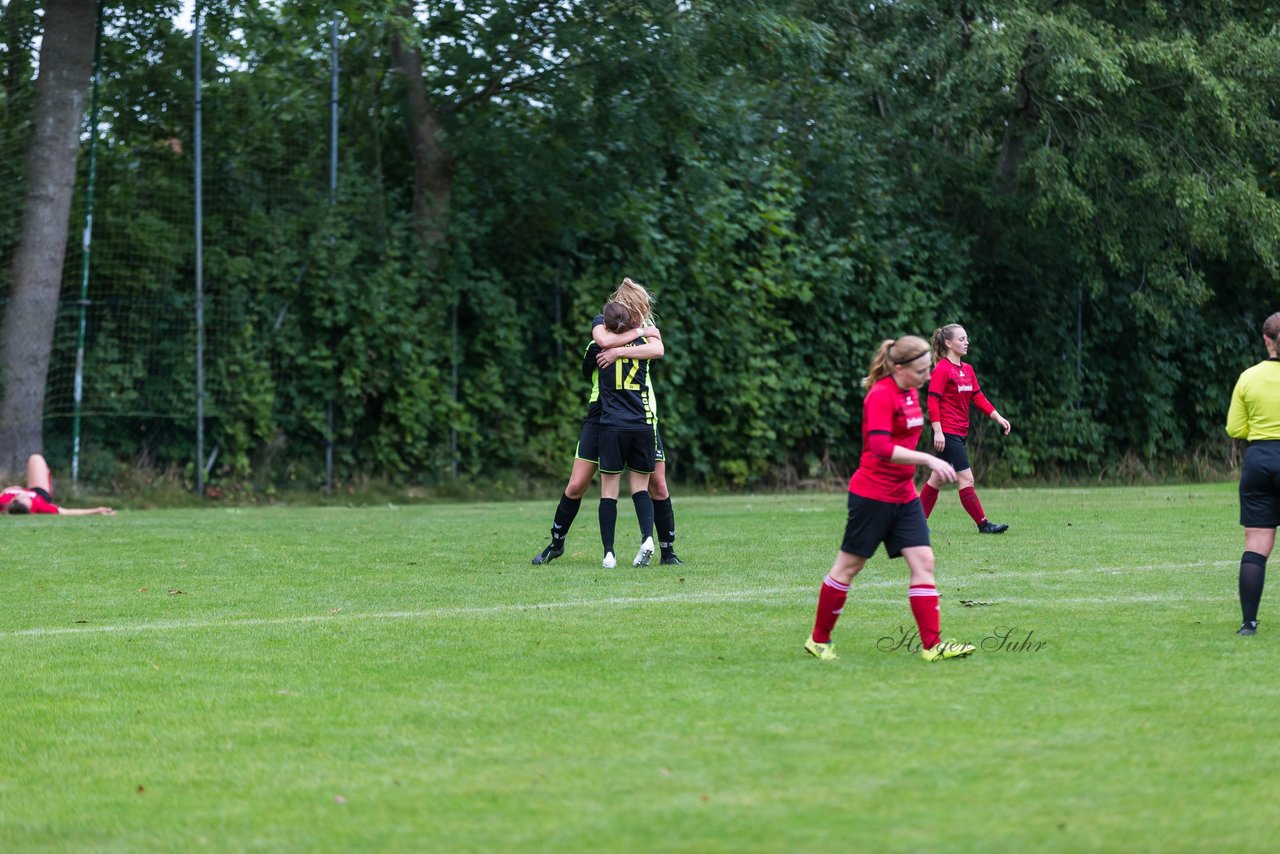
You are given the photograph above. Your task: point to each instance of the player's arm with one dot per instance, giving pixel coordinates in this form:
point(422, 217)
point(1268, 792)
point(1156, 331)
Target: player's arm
point(937, 386)
point(589, 360)
point(648, 350)
point(940, 467)
point(86, 511)
point(879, 415)
point(988, 409)
point(939, 440)
point(880, 444)
point(608, 340)
point(1238, 413)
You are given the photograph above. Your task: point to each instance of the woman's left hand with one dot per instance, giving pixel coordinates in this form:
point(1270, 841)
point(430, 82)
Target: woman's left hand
point(608, 357)
point(1004, 424)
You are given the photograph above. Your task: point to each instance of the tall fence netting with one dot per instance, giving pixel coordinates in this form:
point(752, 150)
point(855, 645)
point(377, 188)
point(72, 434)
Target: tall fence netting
point(263, 204)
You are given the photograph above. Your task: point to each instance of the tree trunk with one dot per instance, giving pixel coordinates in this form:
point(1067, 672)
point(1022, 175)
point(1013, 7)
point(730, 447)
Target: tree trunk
point(1024, 121)
point(432, 162)
point(26, 335)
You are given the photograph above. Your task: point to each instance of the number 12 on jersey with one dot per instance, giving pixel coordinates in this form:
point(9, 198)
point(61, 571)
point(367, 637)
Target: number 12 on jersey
point(629, 367)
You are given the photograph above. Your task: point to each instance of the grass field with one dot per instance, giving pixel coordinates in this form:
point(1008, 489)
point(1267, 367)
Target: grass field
point(400, 678)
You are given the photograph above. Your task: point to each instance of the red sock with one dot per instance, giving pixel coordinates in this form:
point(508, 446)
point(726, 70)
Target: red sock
point(831, 600)
point(924, 606)
point(972, 505)
point(928, 498)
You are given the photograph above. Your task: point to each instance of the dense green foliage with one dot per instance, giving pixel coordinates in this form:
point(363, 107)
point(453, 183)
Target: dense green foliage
point(1090, 187)
point(400, 679)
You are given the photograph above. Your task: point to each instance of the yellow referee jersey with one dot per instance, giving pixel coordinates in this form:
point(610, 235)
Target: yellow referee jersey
point(1255, 403)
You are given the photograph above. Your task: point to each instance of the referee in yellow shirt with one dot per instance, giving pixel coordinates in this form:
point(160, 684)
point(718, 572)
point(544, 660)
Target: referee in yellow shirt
point(1255, 415)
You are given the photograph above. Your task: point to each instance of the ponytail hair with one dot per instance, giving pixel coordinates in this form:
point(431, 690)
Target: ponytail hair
point(617, 318)
point(637, 300)
point(940, 338)
point(894, 351)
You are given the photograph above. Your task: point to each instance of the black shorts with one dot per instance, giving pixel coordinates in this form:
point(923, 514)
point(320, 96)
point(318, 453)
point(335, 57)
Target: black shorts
point(658, 456)
point(955, 452)
point(42, 492)
point(629, 449)
point(589, 441)
point(871, 522)
point(1260, 486)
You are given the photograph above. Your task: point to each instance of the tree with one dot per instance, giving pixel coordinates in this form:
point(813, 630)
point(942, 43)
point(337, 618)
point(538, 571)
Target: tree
point(26, 336)
point(1090, 187)
point(432, 162)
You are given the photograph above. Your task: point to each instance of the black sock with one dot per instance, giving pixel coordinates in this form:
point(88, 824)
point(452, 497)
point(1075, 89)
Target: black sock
point(664, 523)
point(565, 514)
point(644, 513)
point(1253, 572)
point(608, 522)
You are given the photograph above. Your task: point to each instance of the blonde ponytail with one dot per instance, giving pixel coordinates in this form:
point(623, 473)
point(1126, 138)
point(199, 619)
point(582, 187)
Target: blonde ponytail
point(893, 351)
point(879, 364)
point(637, 300)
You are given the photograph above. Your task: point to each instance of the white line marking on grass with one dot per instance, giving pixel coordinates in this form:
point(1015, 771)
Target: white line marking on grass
point(710, 597)
point(1120, 570)
point(1050, 601)
point(952, 602)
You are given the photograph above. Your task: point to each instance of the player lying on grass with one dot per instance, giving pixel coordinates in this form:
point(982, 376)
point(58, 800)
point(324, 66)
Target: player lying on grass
point(37, 496)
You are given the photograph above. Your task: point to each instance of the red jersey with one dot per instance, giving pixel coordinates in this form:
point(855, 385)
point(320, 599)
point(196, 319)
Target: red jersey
point(890, 416)
point(38, 504)
point(951, 388)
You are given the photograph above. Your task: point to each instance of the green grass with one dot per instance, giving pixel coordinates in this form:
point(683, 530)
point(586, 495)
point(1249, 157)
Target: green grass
point(402, 679)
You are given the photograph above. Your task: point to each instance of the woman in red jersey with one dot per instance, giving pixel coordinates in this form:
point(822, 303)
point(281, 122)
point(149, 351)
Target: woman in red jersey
point(37, 497)
point(883, 506)
point(951, 388)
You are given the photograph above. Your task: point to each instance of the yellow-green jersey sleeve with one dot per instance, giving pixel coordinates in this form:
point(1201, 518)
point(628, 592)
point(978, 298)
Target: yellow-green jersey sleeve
point(653, 397)
point(1254, 413)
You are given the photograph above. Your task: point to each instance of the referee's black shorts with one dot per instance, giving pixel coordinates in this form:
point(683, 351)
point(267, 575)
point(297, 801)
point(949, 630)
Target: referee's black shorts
point(955, 452)
point(1260, 485)
point(871, 522)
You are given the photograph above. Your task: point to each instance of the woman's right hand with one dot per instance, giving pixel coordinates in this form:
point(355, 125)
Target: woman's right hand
point(943, 469)
point(939, 441)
